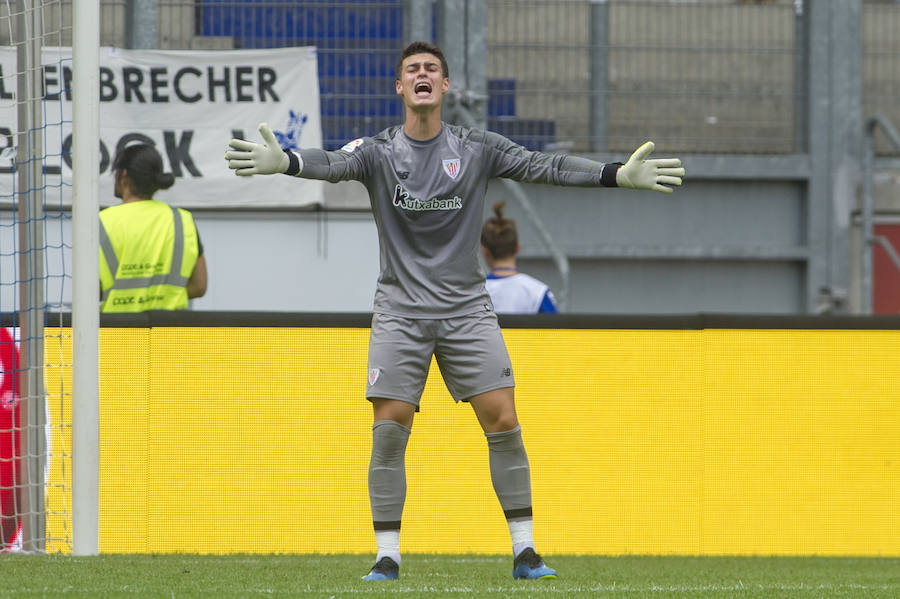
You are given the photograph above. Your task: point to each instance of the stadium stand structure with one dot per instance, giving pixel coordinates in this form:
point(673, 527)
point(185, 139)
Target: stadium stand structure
point(358, 42)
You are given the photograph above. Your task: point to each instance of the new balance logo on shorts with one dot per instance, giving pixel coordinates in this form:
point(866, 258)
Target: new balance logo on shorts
point(506, 372)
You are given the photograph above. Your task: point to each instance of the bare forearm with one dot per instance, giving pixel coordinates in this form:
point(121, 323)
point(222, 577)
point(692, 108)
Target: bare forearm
point(196, 285)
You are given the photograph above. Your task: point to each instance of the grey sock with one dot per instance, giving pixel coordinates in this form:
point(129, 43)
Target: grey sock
point(510, 473)
point(387, 474)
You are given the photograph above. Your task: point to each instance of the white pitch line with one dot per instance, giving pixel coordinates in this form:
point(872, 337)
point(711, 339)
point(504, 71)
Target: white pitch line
point(541, 588)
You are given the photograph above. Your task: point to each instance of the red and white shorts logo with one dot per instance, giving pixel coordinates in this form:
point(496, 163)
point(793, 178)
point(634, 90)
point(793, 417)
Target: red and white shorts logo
point(373, 375)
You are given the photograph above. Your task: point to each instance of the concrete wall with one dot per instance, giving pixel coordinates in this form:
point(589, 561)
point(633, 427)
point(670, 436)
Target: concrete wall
point(257, 261)
point(709, 230)
point(289, 262)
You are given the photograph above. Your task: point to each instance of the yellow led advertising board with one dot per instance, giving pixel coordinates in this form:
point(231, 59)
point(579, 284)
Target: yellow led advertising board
point(711, 441)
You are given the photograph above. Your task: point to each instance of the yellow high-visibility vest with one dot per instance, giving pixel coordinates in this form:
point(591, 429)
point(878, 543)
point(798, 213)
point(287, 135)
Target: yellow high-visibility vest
point(148, 250)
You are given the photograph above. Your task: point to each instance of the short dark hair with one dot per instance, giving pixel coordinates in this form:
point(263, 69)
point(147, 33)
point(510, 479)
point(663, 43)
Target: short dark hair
point(499, 234)
point(145, 169)
point(421, 48)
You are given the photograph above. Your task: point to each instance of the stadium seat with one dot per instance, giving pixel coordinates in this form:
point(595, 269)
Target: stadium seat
point(358, 42)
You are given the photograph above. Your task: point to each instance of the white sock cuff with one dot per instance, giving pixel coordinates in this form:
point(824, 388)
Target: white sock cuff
point(388, 542)
point(521, 531)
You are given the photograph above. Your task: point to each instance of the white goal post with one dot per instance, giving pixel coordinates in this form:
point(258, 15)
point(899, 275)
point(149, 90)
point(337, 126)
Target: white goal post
point(49, 379)
point(85, 276)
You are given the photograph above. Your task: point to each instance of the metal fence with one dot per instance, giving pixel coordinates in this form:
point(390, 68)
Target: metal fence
point(699, 77)
point(881, 66)
point(708, 76)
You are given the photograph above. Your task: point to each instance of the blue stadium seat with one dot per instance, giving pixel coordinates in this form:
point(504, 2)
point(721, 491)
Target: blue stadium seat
point(358, 42)
point(534, 134)
point(501, 97)
point(257, 22)
point(338, 130)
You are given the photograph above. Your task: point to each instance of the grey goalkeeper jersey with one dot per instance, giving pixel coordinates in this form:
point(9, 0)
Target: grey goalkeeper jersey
point(428, 202)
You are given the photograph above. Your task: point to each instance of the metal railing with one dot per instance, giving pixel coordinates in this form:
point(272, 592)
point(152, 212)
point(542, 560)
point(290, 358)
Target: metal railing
point(707, 76)
point(868, 236)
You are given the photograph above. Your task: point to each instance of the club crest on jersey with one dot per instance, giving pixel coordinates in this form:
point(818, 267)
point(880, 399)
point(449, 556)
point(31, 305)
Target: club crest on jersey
point(451, 167)
point(373, 375)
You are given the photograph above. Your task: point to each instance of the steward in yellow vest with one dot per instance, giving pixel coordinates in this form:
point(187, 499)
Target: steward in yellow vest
point(151, 257)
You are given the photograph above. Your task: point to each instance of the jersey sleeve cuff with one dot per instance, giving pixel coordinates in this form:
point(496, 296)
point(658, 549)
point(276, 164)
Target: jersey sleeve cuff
point(293, 168)
point(608, 174)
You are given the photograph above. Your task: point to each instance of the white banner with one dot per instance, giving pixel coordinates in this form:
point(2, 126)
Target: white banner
point(188, 104)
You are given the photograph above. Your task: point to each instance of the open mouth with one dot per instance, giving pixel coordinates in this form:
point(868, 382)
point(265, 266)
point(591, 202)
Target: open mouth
point(422, 88)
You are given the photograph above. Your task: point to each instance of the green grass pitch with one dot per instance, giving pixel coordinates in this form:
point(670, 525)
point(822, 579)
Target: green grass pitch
point(337, 576)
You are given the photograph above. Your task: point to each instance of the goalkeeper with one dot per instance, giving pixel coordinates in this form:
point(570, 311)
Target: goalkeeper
point(426, 182)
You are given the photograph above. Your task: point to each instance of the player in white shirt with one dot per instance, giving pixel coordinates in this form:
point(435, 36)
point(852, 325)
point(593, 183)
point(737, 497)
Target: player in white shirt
point(511, 291)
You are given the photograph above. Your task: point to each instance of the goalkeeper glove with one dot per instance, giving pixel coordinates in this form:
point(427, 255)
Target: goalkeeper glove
point(654, 174)
point(248, 158)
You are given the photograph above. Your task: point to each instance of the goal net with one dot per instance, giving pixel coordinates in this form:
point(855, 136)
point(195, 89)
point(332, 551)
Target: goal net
point(35, 278)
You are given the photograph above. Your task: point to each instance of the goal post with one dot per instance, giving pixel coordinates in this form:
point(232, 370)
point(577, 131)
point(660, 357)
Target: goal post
point(85, 277)
point(49, 204)
point(28, 26)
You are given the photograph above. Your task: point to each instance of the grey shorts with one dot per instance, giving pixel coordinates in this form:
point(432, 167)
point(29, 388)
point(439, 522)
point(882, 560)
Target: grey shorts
point(469, 350)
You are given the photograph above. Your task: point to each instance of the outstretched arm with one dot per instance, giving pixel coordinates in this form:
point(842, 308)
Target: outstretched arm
point(512, 161)
point(247, 158)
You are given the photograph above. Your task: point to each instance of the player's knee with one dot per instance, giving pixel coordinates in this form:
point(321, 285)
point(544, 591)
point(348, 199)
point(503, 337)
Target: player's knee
point(496, 410)
point(499, 421)
point(505, 423)
point(389, 440)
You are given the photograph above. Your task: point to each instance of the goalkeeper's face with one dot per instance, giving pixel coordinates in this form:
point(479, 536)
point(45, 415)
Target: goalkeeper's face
point(422, 83)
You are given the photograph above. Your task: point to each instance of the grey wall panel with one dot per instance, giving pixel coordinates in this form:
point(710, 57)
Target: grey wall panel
point(769, 213)
point(678, 286)
point(289, 261)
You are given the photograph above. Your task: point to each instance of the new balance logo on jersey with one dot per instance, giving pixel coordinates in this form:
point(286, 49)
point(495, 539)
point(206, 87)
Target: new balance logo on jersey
point(402, 199)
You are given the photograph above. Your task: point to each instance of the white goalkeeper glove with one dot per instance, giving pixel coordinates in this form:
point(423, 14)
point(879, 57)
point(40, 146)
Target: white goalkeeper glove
point(654, 175)
point(248, 158)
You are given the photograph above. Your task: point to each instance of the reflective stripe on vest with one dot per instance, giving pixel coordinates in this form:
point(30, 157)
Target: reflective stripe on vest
point(173, 277)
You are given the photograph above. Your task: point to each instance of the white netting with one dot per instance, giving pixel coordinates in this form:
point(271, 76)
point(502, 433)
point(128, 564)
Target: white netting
point(35, 276)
